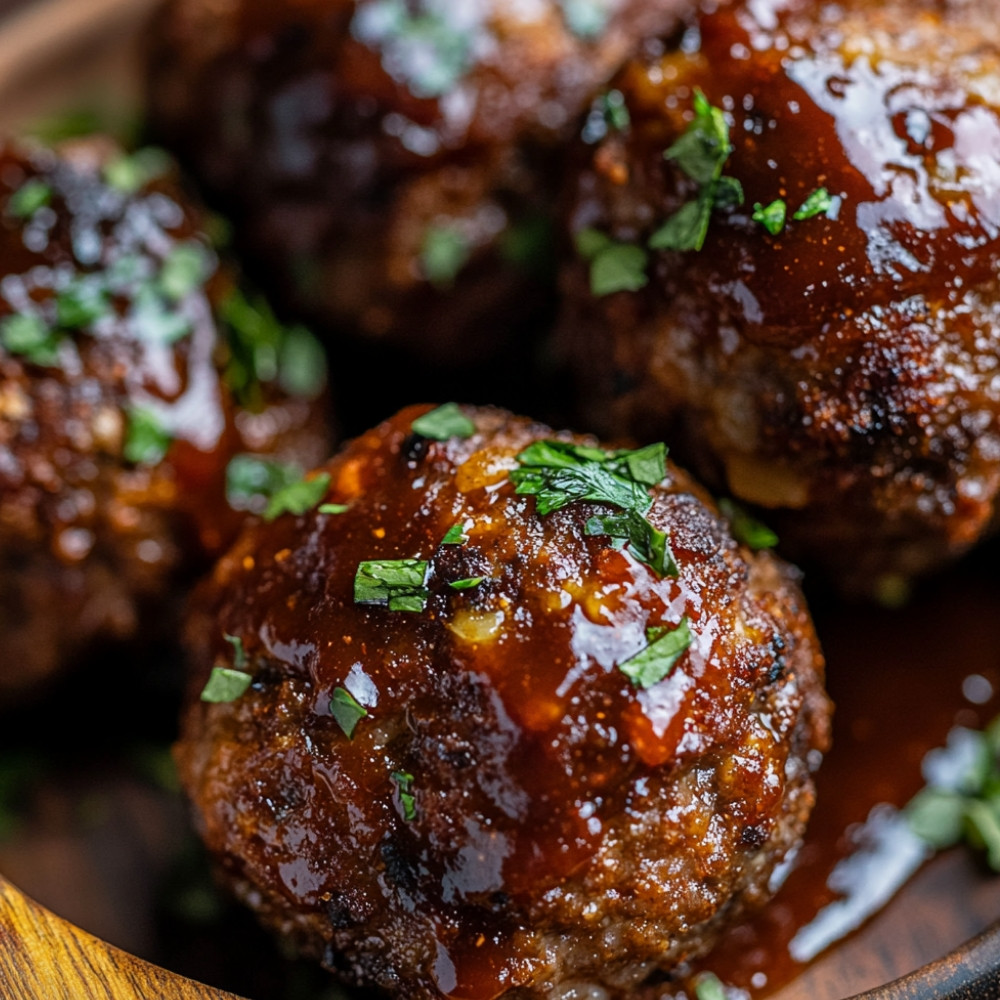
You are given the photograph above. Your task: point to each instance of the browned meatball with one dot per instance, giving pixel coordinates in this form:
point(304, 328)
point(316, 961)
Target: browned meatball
point(473, 750)
point(121, 401)
point(838, 368)
point(391, 161)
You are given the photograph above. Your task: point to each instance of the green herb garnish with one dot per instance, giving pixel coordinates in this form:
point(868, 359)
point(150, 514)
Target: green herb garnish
point(614, 267)
point(398, 583)
point(747, 529)
point(701, 153)
point(31, 338)
point(771, 217)
point(154, 319)
point(444, 423)
point(346, 710)
point(818, 203)
point(29, 198)
point(467, 584)
point(443, 253)
point(652, 664)
point(558, 473)
point(184, 269)
point(456, 535)
point(146, 439)
point(333, 508)
point(967, 807)
point(404, 790)
point(251, 481)
point(226, 684)
point(298, 497)
point(129, 173)
point(708, 986)
point(81, 303)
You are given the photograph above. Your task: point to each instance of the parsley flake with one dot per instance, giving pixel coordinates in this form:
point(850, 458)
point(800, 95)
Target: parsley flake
point(345, 708)
point(29, 198)
point(772, 217)
point(333, 508)
point(129, 173)
point(614, 267)
point(81, 303)
point(444, 423)
point(818, 203)
point(298, 497)
point(443, 254)
point(708, 986)
point(184, 268)
point(666, 646)
point(404, 791)
point(747, 529)
point(30, 337)
point(700, 153)
point(558, 473)
point(587, 19)
point(397, 583)
point(251, 481)
point(227, 684)
point(456, 535)
point(146, 439)
point(467, 584)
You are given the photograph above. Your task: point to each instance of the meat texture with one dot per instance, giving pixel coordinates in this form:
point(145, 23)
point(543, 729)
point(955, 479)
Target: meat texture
point(391, 162)
point(838, 368)
point(464, 792)
point(122, 401)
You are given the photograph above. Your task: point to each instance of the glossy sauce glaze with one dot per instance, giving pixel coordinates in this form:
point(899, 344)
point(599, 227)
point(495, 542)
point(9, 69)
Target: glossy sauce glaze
point(393, 165)
point(842, 370)
point(567, 826)
point(117, 417)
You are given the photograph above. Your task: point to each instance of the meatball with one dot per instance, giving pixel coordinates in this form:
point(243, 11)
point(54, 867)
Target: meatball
point(122, 401)
point(390, 162)
point(473, 749)
point(827, 348)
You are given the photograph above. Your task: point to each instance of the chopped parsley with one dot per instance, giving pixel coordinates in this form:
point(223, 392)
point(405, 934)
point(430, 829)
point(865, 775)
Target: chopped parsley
point(29, 198)
point(747, 529)
point(443, 253)
point(964, 803)
point(818, 203)
point(333, 508)
point(298, 497)
point(184, 269)
point(772, 217)
point(251, 481)
point(347, 711)
point(652, 664)
point(444, 423)
point(614, 267)
point(82, 302)
point(156, 320)
point(404, 791)
point(226, 684)
point(130, 172)
point(146, 439)
point(263, 350)
point(558, 473)
point(455, 536)
point(708, 986)
point(700, 153)
point(398, 583)
point(468, 583)
point(31, 338)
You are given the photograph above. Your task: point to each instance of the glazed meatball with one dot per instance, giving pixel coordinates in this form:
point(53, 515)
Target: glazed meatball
point(829, 352)
point(478, 746)
point(389, 161)
point(122, 401)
